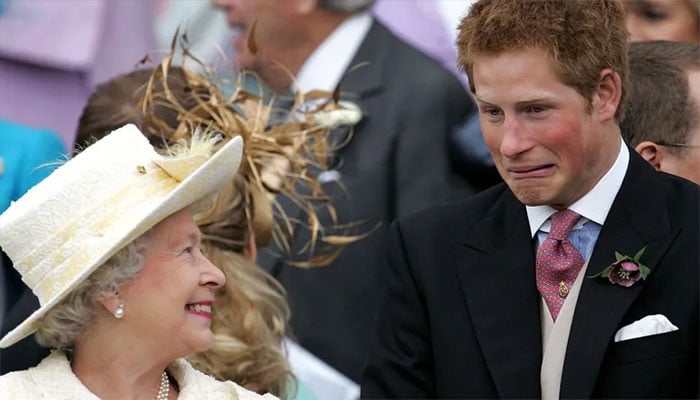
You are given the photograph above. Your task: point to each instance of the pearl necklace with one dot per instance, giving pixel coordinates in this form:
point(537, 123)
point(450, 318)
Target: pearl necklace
point(164, 389)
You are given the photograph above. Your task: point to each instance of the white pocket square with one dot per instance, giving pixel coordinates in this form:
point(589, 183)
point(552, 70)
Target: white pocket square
point(647, 326)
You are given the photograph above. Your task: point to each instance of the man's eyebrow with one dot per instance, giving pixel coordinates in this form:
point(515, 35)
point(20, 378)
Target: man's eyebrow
point(526, 100)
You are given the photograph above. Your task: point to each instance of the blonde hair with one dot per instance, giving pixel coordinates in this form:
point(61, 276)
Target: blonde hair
point(251, 312)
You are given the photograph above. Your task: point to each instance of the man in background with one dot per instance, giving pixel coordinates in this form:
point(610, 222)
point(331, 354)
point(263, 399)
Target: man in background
point(394, 160)
point(662, 113)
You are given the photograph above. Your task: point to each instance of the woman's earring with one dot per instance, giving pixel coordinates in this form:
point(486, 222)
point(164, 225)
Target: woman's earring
point(119, 312)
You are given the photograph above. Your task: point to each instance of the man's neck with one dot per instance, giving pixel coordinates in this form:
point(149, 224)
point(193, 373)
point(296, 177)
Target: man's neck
point(278, 71)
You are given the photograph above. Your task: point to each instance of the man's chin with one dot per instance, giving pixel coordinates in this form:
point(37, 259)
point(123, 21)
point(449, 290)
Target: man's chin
point(531, 196)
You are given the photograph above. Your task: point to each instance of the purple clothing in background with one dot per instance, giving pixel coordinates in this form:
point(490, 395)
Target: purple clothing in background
point(419, 23)
point(54, 52)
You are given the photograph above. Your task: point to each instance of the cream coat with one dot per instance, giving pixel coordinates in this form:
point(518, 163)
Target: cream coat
point(53, 379)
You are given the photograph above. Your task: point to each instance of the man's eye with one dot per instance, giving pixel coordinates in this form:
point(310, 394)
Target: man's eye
point(536, 109)
point(494, 112)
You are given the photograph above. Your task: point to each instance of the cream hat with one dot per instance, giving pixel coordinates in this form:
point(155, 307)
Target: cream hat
point(95, 204)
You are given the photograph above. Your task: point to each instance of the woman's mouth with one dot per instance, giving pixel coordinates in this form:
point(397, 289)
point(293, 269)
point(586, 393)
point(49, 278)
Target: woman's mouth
point(201, 308)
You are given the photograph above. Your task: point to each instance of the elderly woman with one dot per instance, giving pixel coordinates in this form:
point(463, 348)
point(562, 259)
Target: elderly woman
point(109, 245)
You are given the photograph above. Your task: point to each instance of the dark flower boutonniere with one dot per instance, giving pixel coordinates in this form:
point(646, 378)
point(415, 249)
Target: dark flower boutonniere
point(626, 270)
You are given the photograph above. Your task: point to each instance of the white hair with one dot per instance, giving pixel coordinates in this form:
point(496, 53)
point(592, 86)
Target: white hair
point(66, 322)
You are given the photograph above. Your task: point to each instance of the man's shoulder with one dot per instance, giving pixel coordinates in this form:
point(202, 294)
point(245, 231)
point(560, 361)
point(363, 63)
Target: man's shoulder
point(680, 196)
point(460, 215)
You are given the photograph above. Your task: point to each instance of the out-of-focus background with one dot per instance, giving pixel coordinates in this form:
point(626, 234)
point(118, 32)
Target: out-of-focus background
point(54, 52)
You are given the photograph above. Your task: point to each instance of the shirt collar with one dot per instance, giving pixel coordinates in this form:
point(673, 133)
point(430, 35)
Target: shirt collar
point(594, 205)
point(326, 65)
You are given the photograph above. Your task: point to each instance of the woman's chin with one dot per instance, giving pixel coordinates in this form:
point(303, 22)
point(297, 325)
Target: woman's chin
point(204, 342)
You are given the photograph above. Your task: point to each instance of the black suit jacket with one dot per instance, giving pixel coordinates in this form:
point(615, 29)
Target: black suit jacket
point(395, 163)
point(460, 315)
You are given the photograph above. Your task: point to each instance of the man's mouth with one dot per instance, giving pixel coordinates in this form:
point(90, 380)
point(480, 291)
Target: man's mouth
point(531, 171)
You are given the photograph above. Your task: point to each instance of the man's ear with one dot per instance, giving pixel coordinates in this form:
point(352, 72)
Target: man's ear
point(606, 97)
point(651, 152)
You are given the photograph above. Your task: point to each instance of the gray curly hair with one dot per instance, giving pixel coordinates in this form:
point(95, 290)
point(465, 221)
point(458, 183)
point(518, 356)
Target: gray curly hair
point(66, 322)
point(346, 6)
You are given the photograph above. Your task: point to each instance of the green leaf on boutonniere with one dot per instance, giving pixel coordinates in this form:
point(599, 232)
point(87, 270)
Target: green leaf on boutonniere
point(619, 256)
point(639, 255)
point(644, 270)
point(603, 274)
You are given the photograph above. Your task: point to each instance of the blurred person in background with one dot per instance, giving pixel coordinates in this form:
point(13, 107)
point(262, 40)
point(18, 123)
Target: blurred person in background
point(674, 20)
point(662, 113)
point(431, 25)
point(393, 161)
point(27, 156)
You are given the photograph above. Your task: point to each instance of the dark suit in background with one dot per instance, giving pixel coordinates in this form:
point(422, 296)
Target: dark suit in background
point(21, 303)
point(396, 163)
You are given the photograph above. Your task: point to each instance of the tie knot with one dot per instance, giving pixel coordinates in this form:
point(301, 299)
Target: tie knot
point(562, 223)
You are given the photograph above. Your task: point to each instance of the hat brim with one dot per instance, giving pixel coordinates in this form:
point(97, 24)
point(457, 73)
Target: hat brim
point(206, 179)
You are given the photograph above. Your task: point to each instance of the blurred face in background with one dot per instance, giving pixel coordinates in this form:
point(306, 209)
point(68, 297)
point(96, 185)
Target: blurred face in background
point(275, 28)
point(687, 163)
point(673, 20)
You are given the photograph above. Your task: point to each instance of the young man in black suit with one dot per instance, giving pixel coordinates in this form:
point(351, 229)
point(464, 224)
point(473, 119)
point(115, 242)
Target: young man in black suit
point(578, 277)
point(394, 161)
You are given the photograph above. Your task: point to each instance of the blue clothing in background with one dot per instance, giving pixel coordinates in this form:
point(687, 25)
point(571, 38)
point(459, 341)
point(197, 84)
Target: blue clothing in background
point(27, 155)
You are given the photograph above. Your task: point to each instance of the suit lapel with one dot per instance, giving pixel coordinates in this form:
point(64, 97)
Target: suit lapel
point(364, 77)
point(361, 81)
point(501, 295)
point(636, 220)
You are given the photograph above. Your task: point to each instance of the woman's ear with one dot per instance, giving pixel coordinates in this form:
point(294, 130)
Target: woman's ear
point(606, 97)
point(111, 303)
point(651, 152)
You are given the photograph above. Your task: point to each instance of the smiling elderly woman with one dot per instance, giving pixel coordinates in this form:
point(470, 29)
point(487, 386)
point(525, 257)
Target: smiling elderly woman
point(109, 245)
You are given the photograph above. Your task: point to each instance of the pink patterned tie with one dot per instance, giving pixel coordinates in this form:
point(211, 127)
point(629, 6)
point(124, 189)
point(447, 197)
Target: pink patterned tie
point(558, 262)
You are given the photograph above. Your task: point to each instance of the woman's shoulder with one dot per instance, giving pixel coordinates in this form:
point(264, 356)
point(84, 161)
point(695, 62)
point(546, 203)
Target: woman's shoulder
point(34, 382)
point(195, 385)
point(19, 385)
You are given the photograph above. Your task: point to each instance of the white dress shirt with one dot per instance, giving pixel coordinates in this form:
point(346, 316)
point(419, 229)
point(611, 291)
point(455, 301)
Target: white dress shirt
point(326, 65)
point(593, 206)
